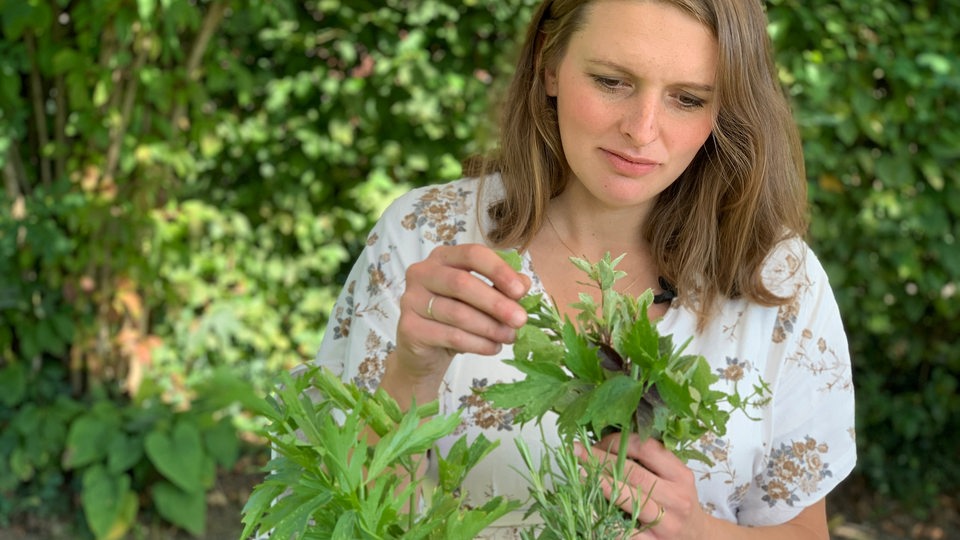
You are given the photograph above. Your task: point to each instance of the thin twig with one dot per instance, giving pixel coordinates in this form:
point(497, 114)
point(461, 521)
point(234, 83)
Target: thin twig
point(129, 100)
point(207, 29)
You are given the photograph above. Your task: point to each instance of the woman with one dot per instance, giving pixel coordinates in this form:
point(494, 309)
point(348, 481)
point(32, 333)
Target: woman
point(655, 129)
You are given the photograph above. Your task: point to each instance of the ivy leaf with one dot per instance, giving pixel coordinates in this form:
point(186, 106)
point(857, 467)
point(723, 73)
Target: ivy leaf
point(179, 455)
point(187, 509)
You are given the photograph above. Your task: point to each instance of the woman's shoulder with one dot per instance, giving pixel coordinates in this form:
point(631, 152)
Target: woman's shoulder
point(440, 214)
point(792, 266)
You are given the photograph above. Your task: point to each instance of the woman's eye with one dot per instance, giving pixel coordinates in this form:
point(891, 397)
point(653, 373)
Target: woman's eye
point(607, 82)
point(690, 102)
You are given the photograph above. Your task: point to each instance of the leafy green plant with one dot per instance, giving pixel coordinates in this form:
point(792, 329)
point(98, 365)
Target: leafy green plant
point(122, 452)
point(611, 371)
point(329, 482)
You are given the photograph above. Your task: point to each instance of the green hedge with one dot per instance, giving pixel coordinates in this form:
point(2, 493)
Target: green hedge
point(875, 86)
point(187, 183)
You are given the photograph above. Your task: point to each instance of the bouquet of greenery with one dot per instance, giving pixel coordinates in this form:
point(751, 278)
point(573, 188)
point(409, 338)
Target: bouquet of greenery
point(610, 370)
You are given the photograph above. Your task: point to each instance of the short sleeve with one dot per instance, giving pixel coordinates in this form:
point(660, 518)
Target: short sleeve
point(362, 328)
point(811, 442)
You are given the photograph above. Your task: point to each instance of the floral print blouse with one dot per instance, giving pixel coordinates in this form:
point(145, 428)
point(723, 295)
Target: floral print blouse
point(766, 470)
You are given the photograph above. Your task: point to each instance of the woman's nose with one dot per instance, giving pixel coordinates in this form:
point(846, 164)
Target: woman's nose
point(640, 123)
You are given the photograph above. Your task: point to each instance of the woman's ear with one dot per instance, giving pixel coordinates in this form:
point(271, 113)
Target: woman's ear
point(550, 81)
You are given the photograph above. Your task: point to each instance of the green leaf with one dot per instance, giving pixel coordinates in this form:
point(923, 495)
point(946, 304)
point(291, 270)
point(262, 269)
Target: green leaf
point(533, 344)
point(88, 438)
point(467, 525)
point(534, 395)
point(186, 509)
point(108, 504)
point(512, 257)
point(410, 437)
point(581, 356)
point(13, 383)
point(613, 402)
point(124, 452)
point(179, 455)
point(222, 442)
point(460, 459)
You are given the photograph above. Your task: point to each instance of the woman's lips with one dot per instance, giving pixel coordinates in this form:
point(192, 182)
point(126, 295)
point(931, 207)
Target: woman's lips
point(627, 165)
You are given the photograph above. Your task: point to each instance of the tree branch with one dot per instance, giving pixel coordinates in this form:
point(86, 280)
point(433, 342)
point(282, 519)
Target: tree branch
point(13, 174)
point(40, 115)
point(60, 115)
point(210, 22)
point(119, 131)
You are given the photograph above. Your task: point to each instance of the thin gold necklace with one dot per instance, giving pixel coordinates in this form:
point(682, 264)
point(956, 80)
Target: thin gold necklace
point(560, 238)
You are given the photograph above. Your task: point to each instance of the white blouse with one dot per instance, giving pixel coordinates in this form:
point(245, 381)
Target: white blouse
point(766, 471)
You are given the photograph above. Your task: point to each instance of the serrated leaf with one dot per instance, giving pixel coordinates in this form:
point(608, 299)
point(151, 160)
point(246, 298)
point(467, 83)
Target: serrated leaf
point(613, 402)
point(675, 395)
point(581, 356)
point(410, 437)
point(533, 344)
point(460, 459)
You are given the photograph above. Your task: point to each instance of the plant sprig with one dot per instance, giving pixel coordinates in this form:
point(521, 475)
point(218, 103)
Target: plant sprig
point(327, 481)
point(611, 370)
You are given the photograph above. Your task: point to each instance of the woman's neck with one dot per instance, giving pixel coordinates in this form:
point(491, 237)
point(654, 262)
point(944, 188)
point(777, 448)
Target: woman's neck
point(590, 230)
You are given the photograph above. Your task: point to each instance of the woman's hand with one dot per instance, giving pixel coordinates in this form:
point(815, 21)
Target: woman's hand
point(652, 469)
point(447, 309)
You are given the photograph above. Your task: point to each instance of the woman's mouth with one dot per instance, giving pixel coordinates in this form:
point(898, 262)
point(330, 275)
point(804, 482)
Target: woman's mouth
point(628, 165)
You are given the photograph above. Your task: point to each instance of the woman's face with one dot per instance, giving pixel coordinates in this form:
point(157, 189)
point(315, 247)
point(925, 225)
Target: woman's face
point(635, 100)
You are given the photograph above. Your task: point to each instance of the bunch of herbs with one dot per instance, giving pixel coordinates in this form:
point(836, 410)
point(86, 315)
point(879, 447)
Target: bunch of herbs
point(608, 371)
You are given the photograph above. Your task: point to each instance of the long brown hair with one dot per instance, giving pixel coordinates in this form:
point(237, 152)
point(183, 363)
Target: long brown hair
point(744, 192)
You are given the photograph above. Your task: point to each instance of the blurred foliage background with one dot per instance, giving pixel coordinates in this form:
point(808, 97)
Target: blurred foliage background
point(186, 183)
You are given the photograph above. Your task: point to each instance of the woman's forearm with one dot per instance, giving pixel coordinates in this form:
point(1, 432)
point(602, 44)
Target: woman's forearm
point(405, 389)
point(810, 524)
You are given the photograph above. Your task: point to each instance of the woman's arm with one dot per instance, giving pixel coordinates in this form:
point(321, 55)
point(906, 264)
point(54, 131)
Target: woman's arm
point(810, 524)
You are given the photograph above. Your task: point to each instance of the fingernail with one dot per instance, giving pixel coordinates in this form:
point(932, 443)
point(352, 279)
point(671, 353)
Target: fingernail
point(518, 319)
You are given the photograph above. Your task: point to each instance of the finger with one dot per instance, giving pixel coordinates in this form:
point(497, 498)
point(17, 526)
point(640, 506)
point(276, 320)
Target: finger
point(638, 503)
point(460, 315)
point(650, 453)
point(632, 489)
point(484, 261)
point(421, 333)
point(657, 459)
point(457, 284)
